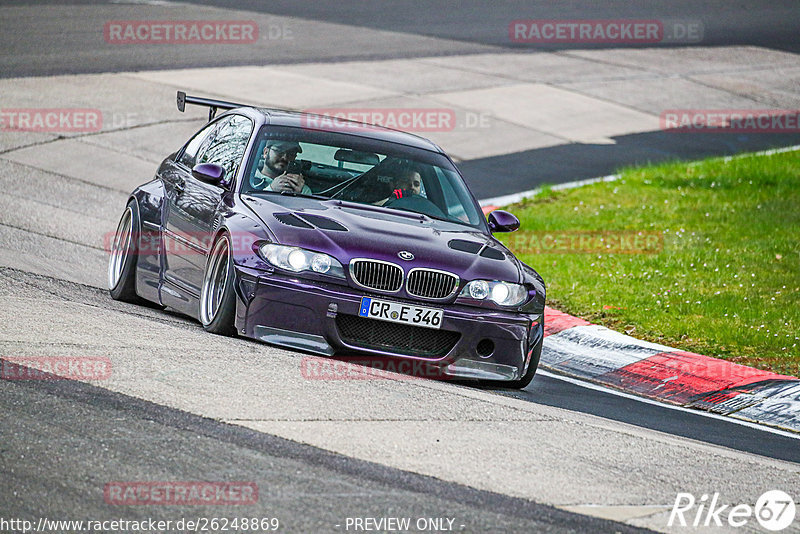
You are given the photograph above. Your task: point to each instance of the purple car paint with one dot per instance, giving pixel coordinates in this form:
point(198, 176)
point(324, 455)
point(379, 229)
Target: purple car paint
point(417, 276)
point(502, 221)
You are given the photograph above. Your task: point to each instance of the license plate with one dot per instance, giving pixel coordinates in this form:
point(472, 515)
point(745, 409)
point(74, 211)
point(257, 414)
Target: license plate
point(395, 312)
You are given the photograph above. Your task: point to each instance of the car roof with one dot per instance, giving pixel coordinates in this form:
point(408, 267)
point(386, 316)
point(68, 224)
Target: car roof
point(298, 119)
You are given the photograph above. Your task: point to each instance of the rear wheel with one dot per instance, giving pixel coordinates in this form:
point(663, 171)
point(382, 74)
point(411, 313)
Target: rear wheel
point(122, 258)
point(217, 299)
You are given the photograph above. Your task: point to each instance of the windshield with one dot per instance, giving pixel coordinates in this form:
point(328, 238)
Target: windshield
point(330, 165)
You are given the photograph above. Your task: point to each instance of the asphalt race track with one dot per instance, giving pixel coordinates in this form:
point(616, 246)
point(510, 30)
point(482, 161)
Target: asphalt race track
point(58, 38)
point(184, 405)
point(309, 489)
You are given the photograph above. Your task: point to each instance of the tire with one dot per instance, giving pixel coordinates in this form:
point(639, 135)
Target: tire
point(526, 379)
point(523, 382)
point(122, 257)
point(217, 296)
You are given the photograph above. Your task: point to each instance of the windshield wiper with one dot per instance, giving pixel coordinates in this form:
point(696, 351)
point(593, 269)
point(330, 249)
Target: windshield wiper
point(288, 193)
point(434, 217)
point(342, 186)
point(296, 194)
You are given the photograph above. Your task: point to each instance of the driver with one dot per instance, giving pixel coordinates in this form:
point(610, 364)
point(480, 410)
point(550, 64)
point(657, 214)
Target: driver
point(407, 184)
point(272, 175)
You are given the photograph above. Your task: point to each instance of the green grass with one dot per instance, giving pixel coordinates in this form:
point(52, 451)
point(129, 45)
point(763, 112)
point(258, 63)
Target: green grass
point(726, 282)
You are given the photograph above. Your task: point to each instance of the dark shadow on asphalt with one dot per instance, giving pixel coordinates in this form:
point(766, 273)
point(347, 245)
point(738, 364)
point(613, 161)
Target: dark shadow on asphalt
point(562, 394)
point(106, 435)
point(557, 393)
point(521, 171)
point(752, 22)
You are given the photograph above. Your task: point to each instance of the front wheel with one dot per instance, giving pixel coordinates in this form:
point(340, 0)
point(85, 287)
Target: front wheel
point(532, 366)
point(122, 258)
point(217, 299)
point(523, 381)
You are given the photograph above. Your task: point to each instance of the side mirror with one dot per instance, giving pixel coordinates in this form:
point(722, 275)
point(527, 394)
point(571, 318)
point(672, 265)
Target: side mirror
point(502, 221)
point(210, 173)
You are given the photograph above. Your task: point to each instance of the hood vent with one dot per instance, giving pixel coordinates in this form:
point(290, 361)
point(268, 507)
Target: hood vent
point(465, 246)
point(492, 254)
point(473, 247)
point(292, 220)
point(323, 222)
point(309, 221)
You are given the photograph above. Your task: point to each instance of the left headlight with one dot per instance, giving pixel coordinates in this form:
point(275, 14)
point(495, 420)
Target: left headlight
point(501, 293)
point(297, 259)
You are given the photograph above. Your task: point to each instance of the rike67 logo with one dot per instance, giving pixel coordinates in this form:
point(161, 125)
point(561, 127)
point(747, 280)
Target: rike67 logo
point(774, 510)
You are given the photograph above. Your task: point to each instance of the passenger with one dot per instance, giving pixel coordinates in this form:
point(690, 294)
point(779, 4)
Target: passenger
point(272, 175)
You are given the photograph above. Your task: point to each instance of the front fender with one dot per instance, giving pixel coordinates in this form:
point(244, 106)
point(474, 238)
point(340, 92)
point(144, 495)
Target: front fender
point(531, 277)
point(245, 232)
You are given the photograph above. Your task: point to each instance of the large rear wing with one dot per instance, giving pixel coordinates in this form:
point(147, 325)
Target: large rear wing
point(213, 105)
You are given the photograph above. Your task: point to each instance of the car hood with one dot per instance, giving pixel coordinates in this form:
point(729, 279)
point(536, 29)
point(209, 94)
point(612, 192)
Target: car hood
point(347, 230)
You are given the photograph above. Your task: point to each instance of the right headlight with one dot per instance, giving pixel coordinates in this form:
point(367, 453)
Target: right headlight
point(298, 259)
point(501, 293)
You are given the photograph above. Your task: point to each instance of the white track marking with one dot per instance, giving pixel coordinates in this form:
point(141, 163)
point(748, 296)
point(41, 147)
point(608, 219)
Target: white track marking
point(597, 387)
point(594, 350)
point(516, 197)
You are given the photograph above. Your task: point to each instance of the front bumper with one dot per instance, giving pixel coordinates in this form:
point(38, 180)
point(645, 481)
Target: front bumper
point(310, 315)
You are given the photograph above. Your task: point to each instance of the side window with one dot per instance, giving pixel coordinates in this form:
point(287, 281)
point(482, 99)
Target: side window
point(454, 205)
point(189, 156)
point(225, 146)
point(450, 198)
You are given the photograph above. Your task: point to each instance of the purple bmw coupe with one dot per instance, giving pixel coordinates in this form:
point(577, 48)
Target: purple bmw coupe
point(332, 237)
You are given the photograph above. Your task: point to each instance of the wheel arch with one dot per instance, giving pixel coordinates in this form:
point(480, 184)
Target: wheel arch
point(247, 229)
point(149, 201)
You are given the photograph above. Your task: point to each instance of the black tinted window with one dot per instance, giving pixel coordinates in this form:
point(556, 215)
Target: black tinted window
point(225, 146)
point(189, 155)
point(222, 142)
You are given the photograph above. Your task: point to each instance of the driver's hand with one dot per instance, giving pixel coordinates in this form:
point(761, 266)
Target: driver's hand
point(288, 182)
